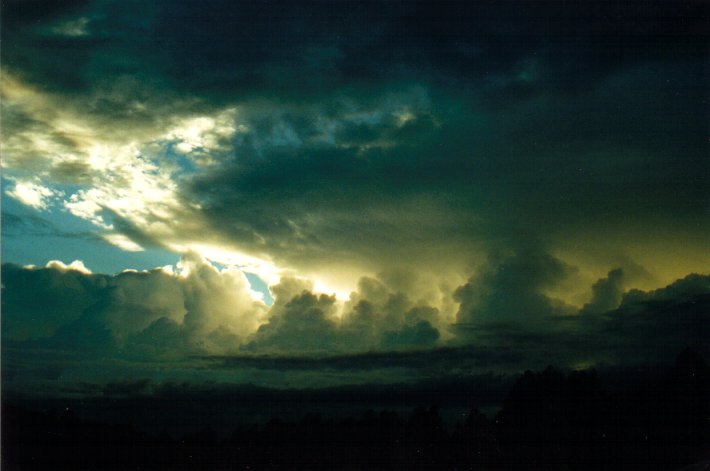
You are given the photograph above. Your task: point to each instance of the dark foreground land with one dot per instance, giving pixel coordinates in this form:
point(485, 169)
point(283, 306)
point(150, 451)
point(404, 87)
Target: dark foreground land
point(550, 420)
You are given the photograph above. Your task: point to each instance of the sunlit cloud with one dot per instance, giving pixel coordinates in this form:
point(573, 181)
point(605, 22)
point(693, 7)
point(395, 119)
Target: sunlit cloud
point(123, 242)
point(205, 135)
point(32, 194)
point(389, 184)
point(76, 265)
point(264, 268)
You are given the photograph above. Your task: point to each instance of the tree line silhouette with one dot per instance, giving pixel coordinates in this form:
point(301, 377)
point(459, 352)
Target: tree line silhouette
point(550, 420)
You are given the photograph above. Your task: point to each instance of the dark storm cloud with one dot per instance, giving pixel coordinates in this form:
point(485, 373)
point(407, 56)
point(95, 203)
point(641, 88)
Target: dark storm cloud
point(469, 140)
point(303, 325)
point(686, 289)
point(200, 309)
point(421, 334)
point(373, 129)
point(35, 303)
point(512, 290)
point(507, 305)
point(62, 326)
point(648, 324)
point(646, 327)
point(624, 152)
point(447, 359)
point(59, 307)
point(376, 317)
point(254, 46)
point(606, 293)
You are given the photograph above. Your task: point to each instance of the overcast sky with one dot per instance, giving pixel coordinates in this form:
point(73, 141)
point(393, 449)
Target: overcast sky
point(189, 186)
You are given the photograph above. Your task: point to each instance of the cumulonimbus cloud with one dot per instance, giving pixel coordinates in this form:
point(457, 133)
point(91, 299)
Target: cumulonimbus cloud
point(432, 156)
point(195, 308)
point(466, 180)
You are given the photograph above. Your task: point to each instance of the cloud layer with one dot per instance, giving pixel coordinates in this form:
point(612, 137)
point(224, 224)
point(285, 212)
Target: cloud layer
point(62, 324)
point(404, 176)
point(362, 136)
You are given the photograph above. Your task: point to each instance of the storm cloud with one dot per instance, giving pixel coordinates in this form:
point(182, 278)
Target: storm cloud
point(397, 177)
point(360, 135)
point(61, 323)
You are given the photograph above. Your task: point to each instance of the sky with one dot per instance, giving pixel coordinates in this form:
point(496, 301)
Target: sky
point(310, 193)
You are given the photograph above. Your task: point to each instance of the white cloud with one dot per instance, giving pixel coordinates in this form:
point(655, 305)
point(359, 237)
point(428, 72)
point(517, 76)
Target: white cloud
point(201, 137)
point(122, 242)
point(122, 168)
point(210, 310)
point(32, 194)
point(76, 265)
point(135, 167)
point(260, 266)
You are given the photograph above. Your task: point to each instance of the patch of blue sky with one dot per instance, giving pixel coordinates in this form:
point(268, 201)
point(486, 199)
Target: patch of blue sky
point(34, 237)
point(96, 254)
point(183, 161)
point(256, 283)
point(55, 214)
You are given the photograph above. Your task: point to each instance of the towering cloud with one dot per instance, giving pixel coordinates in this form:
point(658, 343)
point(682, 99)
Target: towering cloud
point(166, 318)
point(401, 175)
point(207, 309)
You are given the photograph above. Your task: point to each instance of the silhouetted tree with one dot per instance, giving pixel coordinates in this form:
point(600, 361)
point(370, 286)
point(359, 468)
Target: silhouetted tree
point(475, 442)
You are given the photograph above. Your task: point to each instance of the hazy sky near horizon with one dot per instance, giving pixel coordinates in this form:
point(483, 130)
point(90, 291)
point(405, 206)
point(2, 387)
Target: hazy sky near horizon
point(207, 178)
